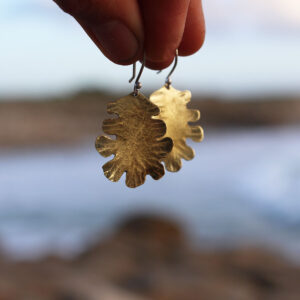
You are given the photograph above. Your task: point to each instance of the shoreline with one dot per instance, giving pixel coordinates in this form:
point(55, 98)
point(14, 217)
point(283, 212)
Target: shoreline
point(70, 120)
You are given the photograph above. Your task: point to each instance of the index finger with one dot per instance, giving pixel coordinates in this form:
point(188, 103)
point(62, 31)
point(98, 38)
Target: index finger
point(164, 23)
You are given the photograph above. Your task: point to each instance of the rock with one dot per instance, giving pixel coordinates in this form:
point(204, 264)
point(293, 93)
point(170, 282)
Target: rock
point(148, 258)
point(142, 237)
point(153, 228)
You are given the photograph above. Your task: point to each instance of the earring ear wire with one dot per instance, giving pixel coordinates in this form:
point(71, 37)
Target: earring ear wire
point(133, 72)
point(137, 84)
point(168, 79)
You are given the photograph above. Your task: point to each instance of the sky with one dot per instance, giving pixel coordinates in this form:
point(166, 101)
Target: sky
point(251, 47)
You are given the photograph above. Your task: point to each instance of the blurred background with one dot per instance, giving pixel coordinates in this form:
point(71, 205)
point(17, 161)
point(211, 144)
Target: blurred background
point(227, 226)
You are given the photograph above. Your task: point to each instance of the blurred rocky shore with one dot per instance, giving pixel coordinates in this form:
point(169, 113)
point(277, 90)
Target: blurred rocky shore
point(146, 257)
point(149, 257)
point(72, 119)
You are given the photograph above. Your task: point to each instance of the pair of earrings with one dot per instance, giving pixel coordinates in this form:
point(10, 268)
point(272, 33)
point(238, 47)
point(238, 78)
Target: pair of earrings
point(148, 132)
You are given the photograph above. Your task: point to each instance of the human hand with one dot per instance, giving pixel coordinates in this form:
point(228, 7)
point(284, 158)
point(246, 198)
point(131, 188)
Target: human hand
point(126, 29)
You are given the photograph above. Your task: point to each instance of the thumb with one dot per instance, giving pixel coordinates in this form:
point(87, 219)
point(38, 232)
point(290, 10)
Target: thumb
point(115, 26)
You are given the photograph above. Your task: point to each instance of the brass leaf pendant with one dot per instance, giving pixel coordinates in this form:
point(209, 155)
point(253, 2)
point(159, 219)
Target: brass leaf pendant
point(139, 147)
point(173, 111)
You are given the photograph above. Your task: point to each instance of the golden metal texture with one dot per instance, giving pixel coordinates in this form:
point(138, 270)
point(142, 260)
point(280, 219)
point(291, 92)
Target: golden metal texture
point(173, 111)
point(138, 147)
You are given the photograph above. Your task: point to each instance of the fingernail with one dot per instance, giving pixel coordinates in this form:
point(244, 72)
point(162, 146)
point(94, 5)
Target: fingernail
point(117, 40)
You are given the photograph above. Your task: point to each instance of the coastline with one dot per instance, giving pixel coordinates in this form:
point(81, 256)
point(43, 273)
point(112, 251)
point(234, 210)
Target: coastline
point(71, 119)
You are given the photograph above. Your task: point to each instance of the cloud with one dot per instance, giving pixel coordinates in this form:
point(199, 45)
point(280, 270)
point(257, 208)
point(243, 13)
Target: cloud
point(253, 15)
point(27, 8)
point(288, 11)
point(228, 15)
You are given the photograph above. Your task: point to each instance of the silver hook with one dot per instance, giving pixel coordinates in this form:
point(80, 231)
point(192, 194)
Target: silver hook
point(137, 84)
point(168, 79)
point(133, 72)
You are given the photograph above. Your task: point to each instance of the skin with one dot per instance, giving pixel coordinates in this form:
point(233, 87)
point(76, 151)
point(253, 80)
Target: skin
point(125, 30)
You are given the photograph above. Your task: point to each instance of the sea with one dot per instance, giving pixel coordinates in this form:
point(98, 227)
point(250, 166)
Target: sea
point(242, 189)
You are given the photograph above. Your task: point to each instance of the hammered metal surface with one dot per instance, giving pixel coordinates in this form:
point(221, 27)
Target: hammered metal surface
point(138, 147)
point(173, 111)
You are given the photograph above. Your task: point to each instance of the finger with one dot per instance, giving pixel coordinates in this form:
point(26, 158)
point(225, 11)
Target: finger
point(194, 32)
point(114, 25)
point(164, 22)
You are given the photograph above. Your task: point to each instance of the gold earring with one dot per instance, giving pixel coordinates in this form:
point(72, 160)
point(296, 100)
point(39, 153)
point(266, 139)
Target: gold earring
point(139, 146)
point(173, 111)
